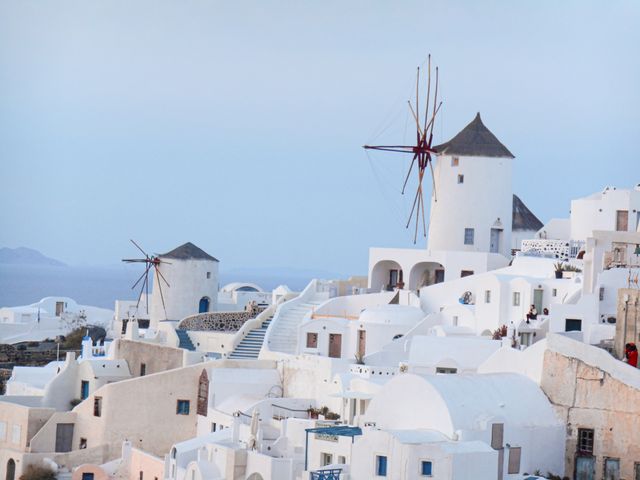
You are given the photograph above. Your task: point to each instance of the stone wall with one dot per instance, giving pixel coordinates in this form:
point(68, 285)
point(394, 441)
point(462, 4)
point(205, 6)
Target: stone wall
point(218, 321)
point(586, 397)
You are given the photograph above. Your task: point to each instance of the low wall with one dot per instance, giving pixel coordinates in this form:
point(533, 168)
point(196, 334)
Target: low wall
point(218, 321)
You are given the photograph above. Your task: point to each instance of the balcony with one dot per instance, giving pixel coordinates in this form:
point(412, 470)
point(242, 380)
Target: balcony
point(326, 474)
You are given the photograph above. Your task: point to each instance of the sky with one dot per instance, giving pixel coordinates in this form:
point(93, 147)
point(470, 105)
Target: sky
point(238, 125)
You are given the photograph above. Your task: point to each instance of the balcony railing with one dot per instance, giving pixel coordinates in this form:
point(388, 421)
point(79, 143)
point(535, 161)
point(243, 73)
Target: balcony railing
point(326, 474)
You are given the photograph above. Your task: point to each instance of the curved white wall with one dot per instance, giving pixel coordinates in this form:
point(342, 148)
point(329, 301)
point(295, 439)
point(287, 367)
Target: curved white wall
point(188, 284)
point(485, 196)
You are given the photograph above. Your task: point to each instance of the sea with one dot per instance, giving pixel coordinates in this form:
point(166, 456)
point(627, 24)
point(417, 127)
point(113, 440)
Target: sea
point(101, 286)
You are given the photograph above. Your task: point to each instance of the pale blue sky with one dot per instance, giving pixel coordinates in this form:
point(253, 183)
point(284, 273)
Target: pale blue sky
point(239, 125)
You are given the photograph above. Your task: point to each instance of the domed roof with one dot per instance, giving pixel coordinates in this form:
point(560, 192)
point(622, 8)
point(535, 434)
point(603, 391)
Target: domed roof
point(188, 251)
point(474, 140)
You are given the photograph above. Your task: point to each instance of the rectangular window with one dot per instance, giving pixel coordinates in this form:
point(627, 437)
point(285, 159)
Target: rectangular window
point(466, 273)
point(182, 407)
point(497, 433)
point(312, 340)
point(487, 296)
point(601, 294)
point(381, 465)
point(460, 178)
point(516, 299)
point(83, 443)
point(213, 427)
point(426, 469)
point(141, 477)
point(87, 476)
point(208, 275)
point(143, 369)
point(445, 370)
point(572, 325)
point(97, 406)
point(622, 220)
point(514, 460)
point(455, 161)
point(454, 320)
point(554, 292)
point(84, 389)
point(342, 460)
point(585, 441)
point(469, 233)
point(326, 459)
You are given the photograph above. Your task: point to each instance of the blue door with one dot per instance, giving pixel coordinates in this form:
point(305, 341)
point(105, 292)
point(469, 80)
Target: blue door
point(204, 305)
point(84, 390)
point(585, 468)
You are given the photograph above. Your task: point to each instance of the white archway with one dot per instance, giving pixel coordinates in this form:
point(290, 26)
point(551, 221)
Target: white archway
point(426, 273)
point(386, 275)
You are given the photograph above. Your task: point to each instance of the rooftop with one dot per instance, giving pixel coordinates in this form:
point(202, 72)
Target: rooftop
point(523, 218)
point(188, 251)
point(475, 140)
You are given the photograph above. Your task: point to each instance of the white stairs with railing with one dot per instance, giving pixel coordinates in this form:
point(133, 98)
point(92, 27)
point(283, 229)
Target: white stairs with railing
point(283, 331)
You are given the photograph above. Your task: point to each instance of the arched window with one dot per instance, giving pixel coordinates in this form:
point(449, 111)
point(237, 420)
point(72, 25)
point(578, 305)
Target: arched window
point(203, 307)
point(11, 469)
point(203, 393)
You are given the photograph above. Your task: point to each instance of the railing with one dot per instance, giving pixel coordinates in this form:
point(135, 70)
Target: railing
point(560, 249)
point(296, 412)
point(218, 321)
point(326, 474)
point(251, 325)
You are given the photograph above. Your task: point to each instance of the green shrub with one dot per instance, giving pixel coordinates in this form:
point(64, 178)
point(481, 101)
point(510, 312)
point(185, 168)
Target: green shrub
point(38, 472)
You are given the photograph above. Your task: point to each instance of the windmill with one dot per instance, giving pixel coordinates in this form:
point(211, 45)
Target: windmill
point(154, 262)
point(422, 150)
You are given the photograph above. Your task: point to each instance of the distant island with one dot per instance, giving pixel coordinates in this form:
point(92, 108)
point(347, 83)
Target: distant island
point(26, 256)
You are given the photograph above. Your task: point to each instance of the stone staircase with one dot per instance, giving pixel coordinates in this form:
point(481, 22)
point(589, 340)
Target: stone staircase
point(249, 347)
point(284, 338)
point(185, 341)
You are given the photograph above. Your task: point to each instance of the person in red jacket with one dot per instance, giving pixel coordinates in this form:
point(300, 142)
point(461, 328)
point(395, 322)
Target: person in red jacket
point(631, 354)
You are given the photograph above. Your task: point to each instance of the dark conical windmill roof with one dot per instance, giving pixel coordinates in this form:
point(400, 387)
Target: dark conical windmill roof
point(188, 251)
point(475, 140)
point(523, 218)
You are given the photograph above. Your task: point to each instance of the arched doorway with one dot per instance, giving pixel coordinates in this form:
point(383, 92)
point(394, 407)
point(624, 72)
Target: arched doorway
point(424, 274)
point(203, 307)
point(255, 476)
point(386, 275)
point(203, 393)
point(11, 469)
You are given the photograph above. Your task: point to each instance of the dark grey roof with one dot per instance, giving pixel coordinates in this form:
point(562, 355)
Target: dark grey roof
point(523, 218)
point(188, 251)
point(475, 140)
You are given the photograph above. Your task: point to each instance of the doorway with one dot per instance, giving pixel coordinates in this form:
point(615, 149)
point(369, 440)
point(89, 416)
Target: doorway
point(611, 469)
point(64, 437)
point(538, 295)
point(494, 245)
point(11, 469)
point(362, 341)
point(335, 345)
point(59, 308)
point(622, 220)
point(439, 275)
point(585, 468)
point(203, 307)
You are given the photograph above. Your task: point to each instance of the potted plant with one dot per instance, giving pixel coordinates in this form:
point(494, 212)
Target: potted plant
point(313, 412)
point(559, 268)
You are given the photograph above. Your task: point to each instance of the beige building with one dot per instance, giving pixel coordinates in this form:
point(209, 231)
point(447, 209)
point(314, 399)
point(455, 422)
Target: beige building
point(628, 319)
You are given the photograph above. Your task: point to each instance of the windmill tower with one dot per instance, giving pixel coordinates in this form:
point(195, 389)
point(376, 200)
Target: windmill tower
point(473, 208)
point(193, 276)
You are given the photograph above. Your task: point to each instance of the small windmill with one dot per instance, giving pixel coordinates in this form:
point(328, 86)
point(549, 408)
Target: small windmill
point(422, 150)
point(154, 262)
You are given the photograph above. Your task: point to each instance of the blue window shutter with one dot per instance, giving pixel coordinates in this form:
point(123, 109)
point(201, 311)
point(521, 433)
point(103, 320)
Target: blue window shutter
point(427, 468)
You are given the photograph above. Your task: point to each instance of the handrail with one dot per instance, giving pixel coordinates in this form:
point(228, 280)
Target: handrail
point(250, 325)
point(290, 409)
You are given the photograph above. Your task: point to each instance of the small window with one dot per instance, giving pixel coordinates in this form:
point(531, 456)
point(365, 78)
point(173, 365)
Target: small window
point(182, 407)
point(487, 296)
point(213, 426)
point(446, 371)
point(554, 292)
point(312, 340)
point(342, 460)
point(514, 460)
point(97, 406)
point(572, 325)
point(426, 469)
point(454, 320)
point(466, 273)
point(460, 178)
point(381, 465)
point(208, 275)
point(326, 459)
point(83, 443)
point(469, 233)
point(497, 432)
point(141, 475)
point(87, 476)
point(143, 369)
point(455, 161)
point(601, 294)
point(516, 299)
point(585, 441)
